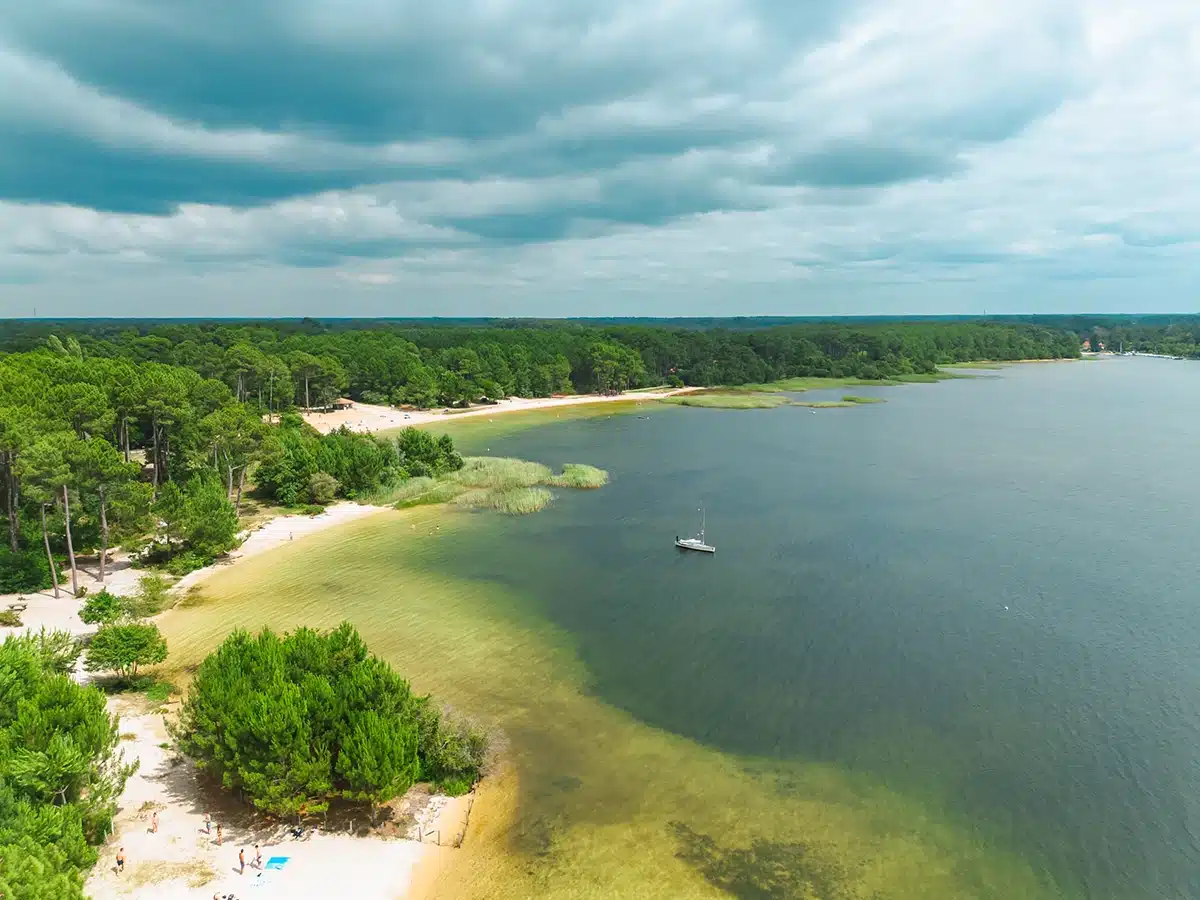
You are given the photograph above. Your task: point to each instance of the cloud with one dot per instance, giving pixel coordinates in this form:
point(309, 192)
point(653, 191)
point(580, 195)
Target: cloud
point(526, 149)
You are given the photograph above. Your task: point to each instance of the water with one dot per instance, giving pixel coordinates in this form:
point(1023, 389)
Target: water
point(947, 647)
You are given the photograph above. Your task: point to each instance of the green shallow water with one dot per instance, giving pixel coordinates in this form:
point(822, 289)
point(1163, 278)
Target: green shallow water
point(947, 646)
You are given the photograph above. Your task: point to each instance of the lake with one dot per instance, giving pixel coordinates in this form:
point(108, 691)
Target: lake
point(948, 645)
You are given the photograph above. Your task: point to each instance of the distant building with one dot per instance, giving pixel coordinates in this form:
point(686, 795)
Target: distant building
point(343, 403)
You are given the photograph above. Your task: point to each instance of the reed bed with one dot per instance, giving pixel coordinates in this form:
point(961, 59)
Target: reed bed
point(855, 398)
point(728, 401)
point(580, 477)
point(515, 487)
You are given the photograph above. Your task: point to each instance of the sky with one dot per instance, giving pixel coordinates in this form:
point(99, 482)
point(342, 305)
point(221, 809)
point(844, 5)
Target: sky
point(598, 157)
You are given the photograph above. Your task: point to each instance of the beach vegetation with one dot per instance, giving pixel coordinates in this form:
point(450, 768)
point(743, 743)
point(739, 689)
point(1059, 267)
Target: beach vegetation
point(102, 608)
point(580, 477)
point(125, 648)
point(724, 400)
point(322, 488)
point(61, 772)
point(855, 398)
point(10, 618)
point(293, 722)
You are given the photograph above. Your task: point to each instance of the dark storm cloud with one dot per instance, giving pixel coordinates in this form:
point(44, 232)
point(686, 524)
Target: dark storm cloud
point(527, 90)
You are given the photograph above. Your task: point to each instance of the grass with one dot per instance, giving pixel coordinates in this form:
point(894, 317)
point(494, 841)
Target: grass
point(511, 486)
point(722, 400)
point(10, 618)
point(854, 398)
point(580, 477)
point(513, 501)
point(824, 404)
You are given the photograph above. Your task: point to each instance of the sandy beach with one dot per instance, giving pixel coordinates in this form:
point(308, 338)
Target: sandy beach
point(366, 418)
point(182, 859)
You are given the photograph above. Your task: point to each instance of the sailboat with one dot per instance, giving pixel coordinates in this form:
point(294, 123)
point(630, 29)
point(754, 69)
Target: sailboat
point(697, 542)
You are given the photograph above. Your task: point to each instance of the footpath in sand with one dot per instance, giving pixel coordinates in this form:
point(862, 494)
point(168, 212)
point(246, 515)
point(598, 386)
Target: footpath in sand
point(366, 417)
point(182, 859)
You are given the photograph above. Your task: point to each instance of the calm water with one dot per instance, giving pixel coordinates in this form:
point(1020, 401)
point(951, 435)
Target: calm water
point(982, 593)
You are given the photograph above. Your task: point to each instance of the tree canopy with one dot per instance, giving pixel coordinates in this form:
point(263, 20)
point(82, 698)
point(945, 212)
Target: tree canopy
point(60, 770)
point(293, 722)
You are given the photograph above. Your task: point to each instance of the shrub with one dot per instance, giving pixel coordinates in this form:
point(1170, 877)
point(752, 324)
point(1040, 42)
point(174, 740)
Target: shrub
point(102, 608)
point(188, 561)
point(312, 509)
point(24, 571)
point(123, 649)
point(151, 599)
point(10, 618)
point(322, 488)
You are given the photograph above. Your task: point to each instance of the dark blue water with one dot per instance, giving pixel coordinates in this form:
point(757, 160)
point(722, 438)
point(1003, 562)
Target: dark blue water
point(984, 592)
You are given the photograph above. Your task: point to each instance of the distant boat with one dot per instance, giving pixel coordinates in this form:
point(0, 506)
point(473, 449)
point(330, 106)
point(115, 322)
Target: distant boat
point(697, 542)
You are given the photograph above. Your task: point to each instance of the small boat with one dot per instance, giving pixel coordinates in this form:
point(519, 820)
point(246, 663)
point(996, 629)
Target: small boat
point(697, 542)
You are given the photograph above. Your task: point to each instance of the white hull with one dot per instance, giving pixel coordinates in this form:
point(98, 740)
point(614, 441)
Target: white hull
point(693, 544)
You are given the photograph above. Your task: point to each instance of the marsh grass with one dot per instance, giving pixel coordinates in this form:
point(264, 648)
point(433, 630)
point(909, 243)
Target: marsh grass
point(580, 477)
point(513, 501)
point(511, 486)
point(824, 404)
point(722, 400)
point(855, 398)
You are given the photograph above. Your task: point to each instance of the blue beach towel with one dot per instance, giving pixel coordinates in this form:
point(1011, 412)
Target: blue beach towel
point(277, 862)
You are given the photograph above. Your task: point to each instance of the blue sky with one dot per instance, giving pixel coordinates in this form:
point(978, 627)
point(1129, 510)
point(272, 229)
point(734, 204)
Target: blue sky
point(598, 157)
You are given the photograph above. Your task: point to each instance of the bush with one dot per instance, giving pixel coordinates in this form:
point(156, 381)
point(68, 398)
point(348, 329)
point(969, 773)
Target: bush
point(296, 721)
point(57, 651)
point(124, 649)
point(151, 599)
point(24, 571)
point(188, 561)
point(322, 488)
point(312, 509)
point(102, 609)
point(10, 618)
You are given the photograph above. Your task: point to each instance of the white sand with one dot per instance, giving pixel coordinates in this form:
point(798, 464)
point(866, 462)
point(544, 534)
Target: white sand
point(182, 861)
point(366, 418)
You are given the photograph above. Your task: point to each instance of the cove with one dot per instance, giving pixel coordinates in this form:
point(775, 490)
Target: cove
point(947, 645)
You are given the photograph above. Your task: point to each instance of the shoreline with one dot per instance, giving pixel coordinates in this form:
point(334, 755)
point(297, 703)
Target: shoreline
point(367, 418)
point(181, 860)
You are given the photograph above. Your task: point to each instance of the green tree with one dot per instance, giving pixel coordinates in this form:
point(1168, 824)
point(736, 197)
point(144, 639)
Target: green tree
point(60, 770)
point(293, 722)
point(210, 523)
point(234, 435)
point(322, 488)
point(125, 648)
point(102, 608)
point(44, 472)
point(100, 471)
point(171, 509)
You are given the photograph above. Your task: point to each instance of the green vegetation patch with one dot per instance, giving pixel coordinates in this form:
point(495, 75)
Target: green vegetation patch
point(515, 487)
point(292, 722)
point(854, 398)
point(723, 400)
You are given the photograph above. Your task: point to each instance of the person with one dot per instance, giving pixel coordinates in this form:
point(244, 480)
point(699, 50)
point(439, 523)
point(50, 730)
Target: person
point(218, 834)
point(207, 824)
point(120, 860)
point(242, 861)
point(257, 857)
point(154, 822)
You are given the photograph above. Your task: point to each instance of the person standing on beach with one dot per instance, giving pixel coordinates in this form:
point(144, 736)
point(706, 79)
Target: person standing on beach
point(242, 861)
point(120, 860)
point(207, 824)
point(154, 822)
point(257, 857)
point(218, 834)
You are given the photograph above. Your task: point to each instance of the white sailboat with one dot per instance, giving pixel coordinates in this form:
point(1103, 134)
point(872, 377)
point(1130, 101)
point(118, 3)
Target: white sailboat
point(697, 542)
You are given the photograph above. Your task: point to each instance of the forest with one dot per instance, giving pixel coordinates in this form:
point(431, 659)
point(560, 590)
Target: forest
point(148, 434)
